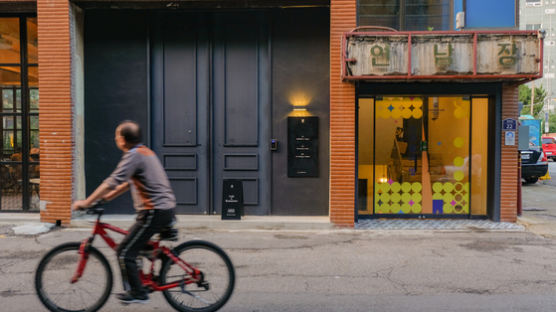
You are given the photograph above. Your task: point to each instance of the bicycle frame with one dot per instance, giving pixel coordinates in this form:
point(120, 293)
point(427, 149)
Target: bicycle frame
point(191, 274)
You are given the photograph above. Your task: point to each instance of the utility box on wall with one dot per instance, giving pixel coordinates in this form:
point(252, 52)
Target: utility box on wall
point(303, 146)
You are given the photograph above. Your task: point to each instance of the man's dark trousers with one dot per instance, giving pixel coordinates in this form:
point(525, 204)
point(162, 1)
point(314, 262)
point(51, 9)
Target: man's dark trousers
point(148, 223)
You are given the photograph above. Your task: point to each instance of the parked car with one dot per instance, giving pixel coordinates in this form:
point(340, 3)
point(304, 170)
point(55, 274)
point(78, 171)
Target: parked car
point(534, 164)
point(549, 147)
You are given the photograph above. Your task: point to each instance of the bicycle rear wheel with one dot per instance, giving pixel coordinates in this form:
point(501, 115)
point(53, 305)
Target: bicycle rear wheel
point(54, 274)
point(218, 278)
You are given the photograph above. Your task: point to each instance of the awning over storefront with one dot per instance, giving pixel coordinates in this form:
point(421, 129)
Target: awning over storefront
point(442, 55)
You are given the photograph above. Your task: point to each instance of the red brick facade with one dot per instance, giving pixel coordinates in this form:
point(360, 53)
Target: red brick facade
point(342, 119)
point(55, 120)
point(509, 178)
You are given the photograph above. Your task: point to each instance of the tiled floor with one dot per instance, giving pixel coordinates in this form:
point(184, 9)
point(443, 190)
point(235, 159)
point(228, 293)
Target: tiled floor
point(13, 202)
point(413, 224)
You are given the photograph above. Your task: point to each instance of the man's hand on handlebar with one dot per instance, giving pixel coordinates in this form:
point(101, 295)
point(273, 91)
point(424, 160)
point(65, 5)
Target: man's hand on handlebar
point(79, 205)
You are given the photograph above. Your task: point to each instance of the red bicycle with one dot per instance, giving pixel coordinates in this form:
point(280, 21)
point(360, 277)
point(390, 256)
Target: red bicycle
point(194, 276)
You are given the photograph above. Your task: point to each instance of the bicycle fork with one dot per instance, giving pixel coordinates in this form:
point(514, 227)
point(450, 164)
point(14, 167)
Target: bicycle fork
point(84, 256)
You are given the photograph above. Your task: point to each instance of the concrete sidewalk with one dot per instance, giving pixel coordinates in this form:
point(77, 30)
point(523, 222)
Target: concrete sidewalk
point(192, 222)
point(539, 210)
point(290, 223)
point(540, 226)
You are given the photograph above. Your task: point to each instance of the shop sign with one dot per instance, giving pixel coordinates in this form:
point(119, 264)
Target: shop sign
point(509, 124)
point(442, 55)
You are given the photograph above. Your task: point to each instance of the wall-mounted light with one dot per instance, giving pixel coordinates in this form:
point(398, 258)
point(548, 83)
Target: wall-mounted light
point(299, 100)
point(299, 111)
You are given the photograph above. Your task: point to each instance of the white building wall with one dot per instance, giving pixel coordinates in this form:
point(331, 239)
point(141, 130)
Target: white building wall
point(534, 14)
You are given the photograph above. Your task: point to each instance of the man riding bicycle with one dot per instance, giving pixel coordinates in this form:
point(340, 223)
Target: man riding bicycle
point(141, 171)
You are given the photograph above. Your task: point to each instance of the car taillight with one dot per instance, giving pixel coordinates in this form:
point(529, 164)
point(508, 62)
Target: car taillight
point(543, 155)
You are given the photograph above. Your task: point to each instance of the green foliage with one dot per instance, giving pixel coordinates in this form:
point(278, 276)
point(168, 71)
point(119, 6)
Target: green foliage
point(525, 98)
point(551, 123)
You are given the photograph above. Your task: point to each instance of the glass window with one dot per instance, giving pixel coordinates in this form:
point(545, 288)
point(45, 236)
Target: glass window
point(365, 156)
point(11, 138)
point(10, 82)
point(19, 147)
point(34, 100)
point(33, 72)
point(479, 156)
point(32, 41)
point(11, 187)
point(419, 155)
point(427, 15)
point(34, 136)
point(380, 13)
point(406, 14)
point(9, 40)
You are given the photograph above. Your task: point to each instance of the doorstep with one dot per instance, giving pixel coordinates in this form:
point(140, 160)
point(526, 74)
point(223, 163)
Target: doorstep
point(436, 224)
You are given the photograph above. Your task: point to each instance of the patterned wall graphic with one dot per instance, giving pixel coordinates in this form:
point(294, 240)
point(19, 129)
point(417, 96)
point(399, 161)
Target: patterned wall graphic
point(393, 197)
point(400, 108)
point(450, 198)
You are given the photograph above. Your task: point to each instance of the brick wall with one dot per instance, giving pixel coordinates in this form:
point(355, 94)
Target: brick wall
point(509, 172)
point(55, 120)
point(342, 119)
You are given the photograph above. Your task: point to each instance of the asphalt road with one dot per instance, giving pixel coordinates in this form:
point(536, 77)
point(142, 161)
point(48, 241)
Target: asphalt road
point(339, 270)
point(348, 270)
point(552, 172)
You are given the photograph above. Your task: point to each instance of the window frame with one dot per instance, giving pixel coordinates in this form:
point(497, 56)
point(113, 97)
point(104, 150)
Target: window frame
point(24, 113)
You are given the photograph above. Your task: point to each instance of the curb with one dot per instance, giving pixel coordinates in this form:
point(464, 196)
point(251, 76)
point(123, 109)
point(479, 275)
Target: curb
point(538, 226)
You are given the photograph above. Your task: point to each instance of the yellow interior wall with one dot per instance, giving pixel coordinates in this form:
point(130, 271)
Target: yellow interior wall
point(479, 159)
point(447, 127)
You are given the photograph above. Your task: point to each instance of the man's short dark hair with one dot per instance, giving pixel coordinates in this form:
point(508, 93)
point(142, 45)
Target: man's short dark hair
point(130, 131)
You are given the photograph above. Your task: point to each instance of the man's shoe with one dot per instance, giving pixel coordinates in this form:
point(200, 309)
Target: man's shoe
point(127, 298)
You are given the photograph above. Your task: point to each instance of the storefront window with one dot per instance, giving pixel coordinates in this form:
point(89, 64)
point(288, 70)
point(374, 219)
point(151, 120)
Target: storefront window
point(406, 14)
point(416, 156)
point(9, 40)
point(32, 41)
point(365, 156)
point(19, 109)
point(479, 156)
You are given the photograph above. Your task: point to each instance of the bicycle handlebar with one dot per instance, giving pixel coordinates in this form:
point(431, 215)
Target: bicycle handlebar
point(96, 208)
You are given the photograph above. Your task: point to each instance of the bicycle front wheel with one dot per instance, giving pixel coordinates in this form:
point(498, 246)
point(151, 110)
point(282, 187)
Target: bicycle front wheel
point(53, 280)
point(216, 285)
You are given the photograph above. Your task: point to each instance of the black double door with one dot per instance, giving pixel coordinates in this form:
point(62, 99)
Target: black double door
point(210, 107)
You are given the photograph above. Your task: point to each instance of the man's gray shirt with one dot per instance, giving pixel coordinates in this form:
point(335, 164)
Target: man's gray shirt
point(147, 179)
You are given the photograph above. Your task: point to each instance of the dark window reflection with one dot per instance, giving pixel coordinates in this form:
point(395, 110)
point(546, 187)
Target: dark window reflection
point(19, 115)
point(32, 41)
point(11, 187)
point(9, 40)
point(406, 14)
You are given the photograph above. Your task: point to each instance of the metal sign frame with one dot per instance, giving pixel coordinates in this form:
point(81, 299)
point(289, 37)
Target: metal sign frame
point(409, 76)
